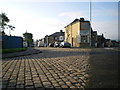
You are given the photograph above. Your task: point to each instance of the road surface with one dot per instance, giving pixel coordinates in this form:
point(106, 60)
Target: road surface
point(62, 68)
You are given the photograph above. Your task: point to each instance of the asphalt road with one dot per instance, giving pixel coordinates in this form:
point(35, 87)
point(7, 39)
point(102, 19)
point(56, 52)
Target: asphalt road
point(104, 66)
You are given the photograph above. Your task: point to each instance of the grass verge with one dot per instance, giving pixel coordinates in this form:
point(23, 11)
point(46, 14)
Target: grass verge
point(13, 50)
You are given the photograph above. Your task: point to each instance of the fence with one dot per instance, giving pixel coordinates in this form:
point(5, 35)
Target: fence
point(11, 42)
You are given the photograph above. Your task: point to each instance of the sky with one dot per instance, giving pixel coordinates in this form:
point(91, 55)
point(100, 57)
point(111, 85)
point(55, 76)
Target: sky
point(45, 18)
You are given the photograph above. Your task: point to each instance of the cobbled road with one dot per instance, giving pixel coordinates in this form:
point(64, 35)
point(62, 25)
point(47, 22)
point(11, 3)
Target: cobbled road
point(53, 68)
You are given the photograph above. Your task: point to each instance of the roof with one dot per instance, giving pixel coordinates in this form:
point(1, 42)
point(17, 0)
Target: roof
point(99, 35)
point(94, 32)
point(28, 33)
point(57, 34)
point(77, 20)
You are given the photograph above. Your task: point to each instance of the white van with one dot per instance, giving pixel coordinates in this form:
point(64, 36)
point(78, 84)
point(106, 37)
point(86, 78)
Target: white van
point(25, 44)
point(40, 44)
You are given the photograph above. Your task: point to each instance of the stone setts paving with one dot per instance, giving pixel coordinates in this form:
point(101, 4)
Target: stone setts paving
point(47, 70)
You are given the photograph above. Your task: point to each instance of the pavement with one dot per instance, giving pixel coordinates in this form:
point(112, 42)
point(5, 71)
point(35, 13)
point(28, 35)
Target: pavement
point(61, 68)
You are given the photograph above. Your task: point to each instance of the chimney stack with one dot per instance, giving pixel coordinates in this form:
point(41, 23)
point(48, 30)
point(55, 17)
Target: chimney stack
point(61, 31)
point(81, 19)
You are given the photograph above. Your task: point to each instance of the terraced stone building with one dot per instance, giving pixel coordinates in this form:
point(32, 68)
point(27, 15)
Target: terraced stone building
point(78, 33)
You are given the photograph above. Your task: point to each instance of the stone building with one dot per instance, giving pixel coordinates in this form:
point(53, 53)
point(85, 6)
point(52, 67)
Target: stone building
point(28, 37)
point(78, 33)
point(94, 38)
point(55, 37)
point(100, 41)
point(108, 43)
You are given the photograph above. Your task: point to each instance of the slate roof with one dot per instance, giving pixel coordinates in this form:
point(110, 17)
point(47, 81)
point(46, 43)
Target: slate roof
point(76, 20)
point(57, 34)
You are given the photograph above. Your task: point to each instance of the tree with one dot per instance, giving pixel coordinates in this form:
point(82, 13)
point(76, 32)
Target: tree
point(3, 21)
point(2, 33)
point(10, 28)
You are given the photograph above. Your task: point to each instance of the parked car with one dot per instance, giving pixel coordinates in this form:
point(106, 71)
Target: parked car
point(57, 44)
point(51, 44)
point(32, 45)
point(65, 44)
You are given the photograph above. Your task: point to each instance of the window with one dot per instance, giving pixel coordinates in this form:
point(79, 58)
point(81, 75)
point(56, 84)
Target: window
point(84, 39)
point(56, 38)
point(84, 32)
point(61, 38)
point(85, 25)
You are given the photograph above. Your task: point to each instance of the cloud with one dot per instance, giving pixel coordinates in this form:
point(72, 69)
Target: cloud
point(86, 14)
point(109, 29)
point(39, 27)
point(107, 12)
point(72, 15)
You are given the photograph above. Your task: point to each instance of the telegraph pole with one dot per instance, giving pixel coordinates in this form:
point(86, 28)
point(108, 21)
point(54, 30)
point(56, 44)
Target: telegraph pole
point(90, 23)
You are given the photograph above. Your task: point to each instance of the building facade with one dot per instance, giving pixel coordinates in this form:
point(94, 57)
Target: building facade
point(94, 39)
point(55, 37)
point(27, 37)
point(100, 41)
point(78, 33)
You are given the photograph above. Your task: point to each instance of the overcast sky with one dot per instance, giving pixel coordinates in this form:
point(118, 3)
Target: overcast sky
point(45, 18)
